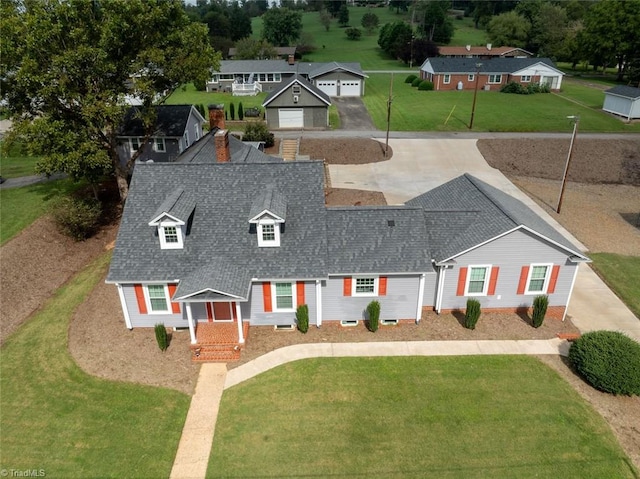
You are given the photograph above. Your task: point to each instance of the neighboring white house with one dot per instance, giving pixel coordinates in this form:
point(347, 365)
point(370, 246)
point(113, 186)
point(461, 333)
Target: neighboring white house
point(623, 100)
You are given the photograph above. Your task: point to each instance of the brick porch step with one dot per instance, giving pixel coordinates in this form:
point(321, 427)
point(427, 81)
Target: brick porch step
point(569, 336)
point(203, 353)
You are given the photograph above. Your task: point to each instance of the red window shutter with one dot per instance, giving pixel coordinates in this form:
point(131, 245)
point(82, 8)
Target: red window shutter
point(347, 286)
point(493, 281)
point(175, 307)
point(524, 273)
point(382, 286)
point(142, 305)
point(462, 281)
point(266, 297)
point(554, 279)
point(300, 293)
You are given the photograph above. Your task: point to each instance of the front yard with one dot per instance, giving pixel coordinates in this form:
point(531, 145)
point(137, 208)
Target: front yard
point(491, 416)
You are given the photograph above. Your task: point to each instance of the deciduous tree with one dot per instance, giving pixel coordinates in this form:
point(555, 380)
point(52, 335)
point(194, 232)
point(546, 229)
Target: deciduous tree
point(370, 22)
point(509, 29)
point(67, 66)
point(281, 27)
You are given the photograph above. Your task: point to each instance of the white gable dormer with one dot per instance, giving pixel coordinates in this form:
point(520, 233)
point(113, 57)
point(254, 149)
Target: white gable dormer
point(171, 231)
point(268, 213)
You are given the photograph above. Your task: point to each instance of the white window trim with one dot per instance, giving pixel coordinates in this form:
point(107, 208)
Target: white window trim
point(497, 79)
point(274, 301)
point(186, 139)
point(446, 78)
point(161, 235)
point(487, 278)
point(147, 299)
point(547, 278)
point(276, 229)
point(471, 77)
point(376, 283)
point(525, 78)
point(155, 145)
point(197, 133)
point(140, 145)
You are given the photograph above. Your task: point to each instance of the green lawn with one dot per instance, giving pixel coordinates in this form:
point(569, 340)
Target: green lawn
point(16, 162)
point(622, 275)
point(441, 417)
point(56, 418)
point(188, 95)
point(415, 110)
point(334, 46)
point(467, 34)
point(19, 207)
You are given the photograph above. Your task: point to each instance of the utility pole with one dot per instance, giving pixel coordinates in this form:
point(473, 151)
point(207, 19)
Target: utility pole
point(576, 120)
point(389, 101)
point(475, 94)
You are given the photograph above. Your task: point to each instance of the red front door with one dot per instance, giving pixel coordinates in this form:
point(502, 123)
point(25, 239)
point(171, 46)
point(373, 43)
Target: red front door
point(221, 312)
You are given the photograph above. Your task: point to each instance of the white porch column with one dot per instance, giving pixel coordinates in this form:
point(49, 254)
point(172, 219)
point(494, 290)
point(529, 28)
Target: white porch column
point(123, 304)
point(439, 290)
point(573, 282)
point(420, 298)
point(240, 331)
point(192, 331)
point(318, 303)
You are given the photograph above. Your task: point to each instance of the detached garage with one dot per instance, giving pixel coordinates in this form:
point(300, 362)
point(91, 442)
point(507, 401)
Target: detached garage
point(339, 79)
point(297, 104)
point(623, 100)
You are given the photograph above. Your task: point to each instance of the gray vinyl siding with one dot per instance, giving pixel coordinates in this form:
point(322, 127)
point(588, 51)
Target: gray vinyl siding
point(313, 117)
point(626, 107)
point(400, 302)
point(171, 145)
point(429, 296)
point(139, 320)
point(341, 76)
point(253, 310)
point(510, 253)
point(193, 126)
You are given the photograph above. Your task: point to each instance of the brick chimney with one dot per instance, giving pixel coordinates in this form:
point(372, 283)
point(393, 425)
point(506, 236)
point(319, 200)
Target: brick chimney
point(216, 116)
point(221, 142)
point(291, 60)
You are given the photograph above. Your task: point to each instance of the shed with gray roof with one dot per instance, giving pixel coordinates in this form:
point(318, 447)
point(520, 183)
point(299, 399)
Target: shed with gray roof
point(623, 100)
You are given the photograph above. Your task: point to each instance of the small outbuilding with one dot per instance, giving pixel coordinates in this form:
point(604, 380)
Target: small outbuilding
point(623, 100)
point(297, 104)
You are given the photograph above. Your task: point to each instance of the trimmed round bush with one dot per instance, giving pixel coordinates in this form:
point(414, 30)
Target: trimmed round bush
point(425, 85)
point(416, 82)
point(77, 218)
point(410, 78)
point(609, 361)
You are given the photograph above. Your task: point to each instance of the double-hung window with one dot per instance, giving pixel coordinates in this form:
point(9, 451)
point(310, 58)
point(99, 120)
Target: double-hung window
point(477, 280)
point(170, 236)
point(495, 78)
point(157, 296)
point(538, 279)
point(525, 78)
point(471, 77)
point(283, 298)
point(135, 143)
point(446, 79)
point(268, 233)
point(365, 286)
point(158, 145)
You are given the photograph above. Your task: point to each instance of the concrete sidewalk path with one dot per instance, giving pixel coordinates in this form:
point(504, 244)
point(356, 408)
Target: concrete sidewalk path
point(194, 448)
point(392, 348)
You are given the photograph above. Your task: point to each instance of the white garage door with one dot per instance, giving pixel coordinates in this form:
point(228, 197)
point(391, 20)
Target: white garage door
point(291, 118)
point(350, 88)
point(328, 87)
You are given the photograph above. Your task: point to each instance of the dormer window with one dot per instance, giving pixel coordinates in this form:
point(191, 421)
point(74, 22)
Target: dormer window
point(171, 236)
point(268, 233)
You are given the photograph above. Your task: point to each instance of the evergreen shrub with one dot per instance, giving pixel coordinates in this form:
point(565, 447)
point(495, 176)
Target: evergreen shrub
point(609, 361)
point(302, 318)
point(425, 85)
point(373, 313)
point(410, 78)
point(77, 218)
point(416, 82)
point(161, 336)
point(472, 314)
point(540, 304)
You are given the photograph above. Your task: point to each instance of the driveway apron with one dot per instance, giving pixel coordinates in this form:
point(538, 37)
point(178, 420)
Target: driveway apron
point(353, 114)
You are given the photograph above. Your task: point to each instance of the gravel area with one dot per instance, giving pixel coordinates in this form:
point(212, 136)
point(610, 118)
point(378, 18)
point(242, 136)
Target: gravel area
point(597, 210)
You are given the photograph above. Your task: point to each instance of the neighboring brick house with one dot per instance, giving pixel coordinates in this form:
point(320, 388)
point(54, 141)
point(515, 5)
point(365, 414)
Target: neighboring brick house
point(490, 74)
point(176, 128)
point(218, 246)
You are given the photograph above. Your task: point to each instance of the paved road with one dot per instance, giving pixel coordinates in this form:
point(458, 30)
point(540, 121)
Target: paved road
point(29, 180)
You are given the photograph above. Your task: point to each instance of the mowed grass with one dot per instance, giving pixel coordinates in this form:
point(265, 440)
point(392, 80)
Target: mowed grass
point(440, 417)
point(56, 418)
point(414, 110)
point(333, 45)
point(467, 34)
point(16, 162)
point(188, 95)
point(622, 275)
point(19, 207)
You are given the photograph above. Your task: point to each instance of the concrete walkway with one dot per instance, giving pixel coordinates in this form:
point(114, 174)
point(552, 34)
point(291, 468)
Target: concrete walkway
point(192, 457)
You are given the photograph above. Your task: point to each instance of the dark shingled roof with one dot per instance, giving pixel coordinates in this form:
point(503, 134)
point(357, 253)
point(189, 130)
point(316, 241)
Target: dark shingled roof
point(178, 204)
point(624, 91)
point(269, 199)
point(220, 228)
point(477, 212)
point(304, 84)
point(204, 151)
point(171, 121)
point(377, 239)
point(490, 65)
